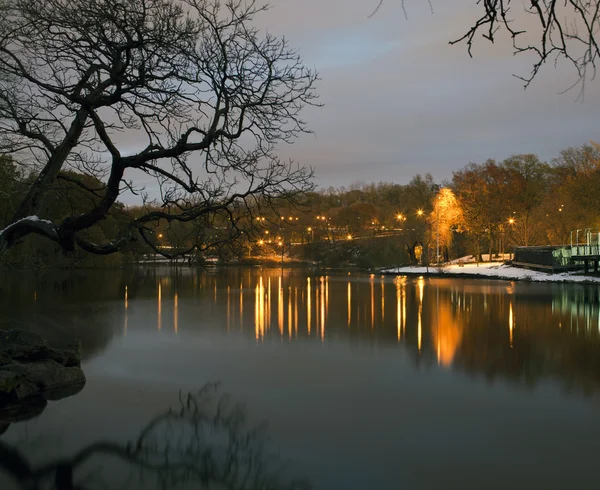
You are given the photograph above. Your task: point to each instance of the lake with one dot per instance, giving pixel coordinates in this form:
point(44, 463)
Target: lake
point(364, 381)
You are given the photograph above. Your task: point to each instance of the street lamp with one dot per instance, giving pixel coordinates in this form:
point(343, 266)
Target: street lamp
point(310, 230)
point(511, 222)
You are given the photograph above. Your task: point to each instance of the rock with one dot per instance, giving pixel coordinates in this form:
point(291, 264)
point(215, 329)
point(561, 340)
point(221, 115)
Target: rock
point(63, 392)
point(18, 412)
point(50, 375)
point(9, 382)
point(22, 345)
point(69, 357)
point(25, 389)
point(73, 351)
point(31, 373)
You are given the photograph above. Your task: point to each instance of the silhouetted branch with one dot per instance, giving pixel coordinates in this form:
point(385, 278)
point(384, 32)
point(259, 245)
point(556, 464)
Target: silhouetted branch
point(193, 77)
point(204, 442)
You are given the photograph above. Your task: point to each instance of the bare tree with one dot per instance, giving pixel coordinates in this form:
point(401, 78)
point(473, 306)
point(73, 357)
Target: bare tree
point(549, 29)
point(186, 92)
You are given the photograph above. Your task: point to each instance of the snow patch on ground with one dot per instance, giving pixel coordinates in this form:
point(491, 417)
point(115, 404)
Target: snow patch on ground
point(494, 271)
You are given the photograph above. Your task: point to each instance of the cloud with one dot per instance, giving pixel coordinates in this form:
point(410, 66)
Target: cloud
point(400, 100)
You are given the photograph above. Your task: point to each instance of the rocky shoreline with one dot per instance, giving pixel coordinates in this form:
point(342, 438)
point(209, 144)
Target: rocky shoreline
point(31, 373)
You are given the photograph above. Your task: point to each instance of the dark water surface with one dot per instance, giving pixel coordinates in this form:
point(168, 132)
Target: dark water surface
point(365, 381)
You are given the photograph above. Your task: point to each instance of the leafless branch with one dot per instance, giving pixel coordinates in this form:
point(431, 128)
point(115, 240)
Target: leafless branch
point(194, 78)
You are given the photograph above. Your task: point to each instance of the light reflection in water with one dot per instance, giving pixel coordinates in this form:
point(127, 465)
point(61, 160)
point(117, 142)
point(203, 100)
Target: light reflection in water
point(447, 331)
point(404, 305)
point(323, 304)
point(176, 313)
point(308, 305)
point(398, 308)
point(421, 286)
point(326, 295)
point(349, 302)
point(511, 324)
point(267, 323)
point(439, 327)
point(280, 306)
point(296, 311)
point(289, 312)
point(159, 305)
point(259, 310)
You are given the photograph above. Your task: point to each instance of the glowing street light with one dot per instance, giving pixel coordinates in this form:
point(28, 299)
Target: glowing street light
point(420, 212)
point(511, 221)
point(349, 237)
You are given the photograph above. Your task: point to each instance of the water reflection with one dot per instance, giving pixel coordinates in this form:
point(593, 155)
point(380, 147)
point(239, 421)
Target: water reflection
point(523, 332)
point(204, 442)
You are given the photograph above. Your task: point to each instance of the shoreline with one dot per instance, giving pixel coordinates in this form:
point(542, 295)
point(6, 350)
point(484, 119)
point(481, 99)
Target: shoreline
point(492, 271)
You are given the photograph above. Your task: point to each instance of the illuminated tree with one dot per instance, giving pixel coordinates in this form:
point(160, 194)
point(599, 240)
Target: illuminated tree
point(445, 217)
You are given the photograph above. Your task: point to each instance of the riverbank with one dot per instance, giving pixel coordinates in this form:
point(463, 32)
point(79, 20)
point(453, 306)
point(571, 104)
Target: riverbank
point(491, 270)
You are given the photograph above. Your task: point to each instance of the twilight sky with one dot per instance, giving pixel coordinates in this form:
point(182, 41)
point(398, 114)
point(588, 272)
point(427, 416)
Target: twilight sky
point(399, 100)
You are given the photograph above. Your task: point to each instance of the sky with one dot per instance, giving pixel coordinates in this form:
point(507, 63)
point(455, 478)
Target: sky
point(399, 100)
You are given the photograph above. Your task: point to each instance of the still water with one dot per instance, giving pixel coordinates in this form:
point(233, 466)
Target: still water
point(364, 381)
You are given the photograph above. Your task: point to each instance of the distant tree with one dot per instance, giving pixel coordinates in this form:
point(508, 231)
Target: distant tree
point(480, 191)
point(419, 195)
point(571, 202)
point(187, 93)
point(356, 217)
point(527, 181)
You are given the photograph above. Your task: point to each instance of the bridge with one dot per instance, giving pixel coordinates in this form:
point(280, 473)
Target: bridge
point(582, 252)
point(585, 247)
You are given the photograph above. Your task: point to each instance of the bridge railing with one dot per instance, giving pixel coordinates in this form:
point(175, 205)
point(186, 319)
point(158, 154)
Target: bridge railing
point(585, 242)
point(583, 249)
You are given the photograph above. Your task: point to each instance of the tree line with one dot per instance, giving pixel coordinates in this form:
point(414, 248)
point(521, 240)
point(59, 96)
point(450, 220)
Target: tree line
point(486, 208)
